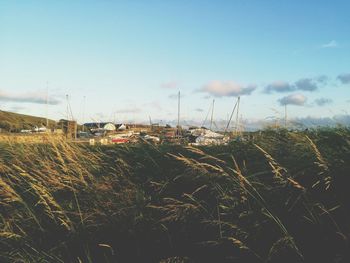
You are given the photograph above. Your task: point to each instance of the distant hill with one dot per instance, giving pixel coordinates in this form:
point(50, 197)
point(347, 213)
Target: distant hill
point(10, 121)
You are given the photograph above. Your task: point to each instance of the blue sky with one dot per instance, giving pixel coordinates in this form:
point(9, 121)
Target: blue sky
point(129, 58)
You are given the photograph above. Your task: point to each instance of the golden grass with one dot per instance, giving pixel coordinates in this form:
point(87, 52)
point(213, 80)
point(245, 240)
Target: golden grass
point(218, 197)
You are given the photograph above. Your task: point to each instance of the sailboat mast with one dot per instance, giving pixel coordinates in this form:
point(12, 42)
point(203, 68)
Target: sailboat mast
point(237, 115)
point(228, 123)
point(83, 119)
point(285, 116)
point(178, 117)
point(178, 110)
point(67, 107)
point(212, 113)
point(47, 104)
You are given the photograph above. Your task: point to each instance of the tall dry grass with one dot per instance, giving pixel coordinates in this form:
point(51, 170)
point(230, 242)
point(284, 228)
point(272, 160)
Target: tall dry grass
point(279, 197)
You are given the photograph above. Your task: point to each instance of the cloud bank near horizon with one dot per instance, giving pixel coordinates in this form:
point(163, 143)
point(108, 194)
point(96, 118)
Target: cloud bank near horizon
point(33, 97)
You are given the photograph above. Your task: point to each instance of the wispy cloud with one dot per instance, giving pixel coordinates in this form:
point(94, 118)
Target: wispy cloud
point(33, 97)
point(279, 86)
point(344, 78)
point(330, 44)
point(227, 89)
point(293, 99)
point(323, 101)
point(170, 85)
point(199, 110)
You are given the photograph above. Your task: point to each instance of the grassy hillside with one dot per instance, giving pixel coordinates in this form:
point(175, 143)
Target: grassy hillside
point(281, 197)
point(10, 121)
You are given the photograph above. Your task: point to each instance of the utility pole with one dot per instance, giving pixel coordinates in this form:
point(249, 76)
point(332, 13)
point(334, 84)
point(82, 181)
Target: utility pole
point(212, 113)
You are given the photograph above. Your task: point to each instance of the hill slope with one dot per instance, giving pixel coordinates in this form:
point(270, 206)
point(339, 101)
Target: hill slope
point(10, 121)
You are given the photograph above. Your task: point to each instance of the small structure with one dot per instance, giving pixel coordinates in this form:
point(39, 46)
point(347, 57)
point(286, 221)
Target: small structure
point(69, 128)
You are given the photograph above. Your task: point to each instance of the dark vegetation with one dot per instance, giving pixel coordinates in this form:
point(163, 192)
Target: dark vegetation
point(279, 197)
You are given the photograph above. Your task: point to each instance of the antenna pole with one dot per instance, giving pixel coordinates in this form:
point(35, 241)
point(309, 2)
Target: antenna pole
point(212, 113)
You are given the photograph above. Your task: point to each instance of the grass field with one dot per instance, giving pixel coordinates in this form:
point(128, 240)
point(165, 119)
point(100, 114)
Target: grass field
point(280, 197)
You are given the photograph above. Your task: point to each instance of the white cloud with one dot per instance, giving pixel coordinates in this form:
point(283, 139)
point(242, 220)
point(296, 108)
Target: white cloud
point(293, 99)
point(279, 86)
point(227, 89)
point(330, 44)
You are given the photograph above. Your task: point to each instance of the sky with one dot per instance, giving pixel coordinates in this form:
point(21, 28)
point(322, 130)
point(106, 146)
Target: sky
point(126, 61)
